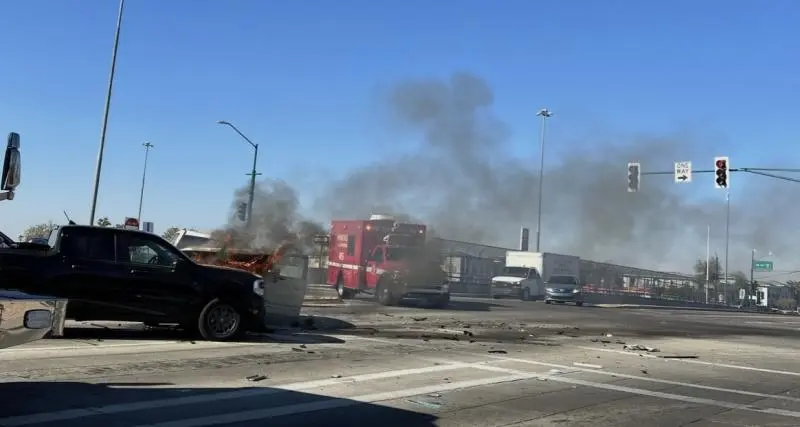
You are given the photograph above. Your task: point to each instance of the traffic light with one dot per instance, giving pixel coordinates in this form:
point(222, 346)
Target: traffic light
point(241, 211)
point(634, 173)
point(722, 170)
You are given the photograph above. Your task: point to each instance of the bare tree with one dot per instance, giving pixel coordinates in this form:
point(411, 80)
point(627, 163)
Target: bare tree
point(38, 231)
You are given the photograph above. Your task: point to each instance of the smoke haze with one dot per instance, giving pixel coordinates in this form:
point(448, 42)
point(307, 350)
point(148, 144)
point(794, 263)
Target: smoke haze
point(465, 186)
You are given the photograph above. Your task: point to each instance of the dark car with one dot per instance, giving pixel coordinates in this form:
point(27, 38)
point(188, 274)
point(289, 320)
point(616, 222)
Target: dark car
point(127, 275)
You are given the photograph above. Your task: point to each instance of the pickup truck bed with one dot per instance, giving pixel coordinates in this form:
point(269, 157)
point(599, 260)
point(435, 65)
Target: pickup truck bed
point(22, 318)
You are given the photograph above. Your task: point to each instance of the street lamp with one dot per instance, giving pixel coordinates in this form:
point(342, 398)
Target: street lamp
point(147, 146)
point(544, 113)
point(252, 174)
point(99, 165)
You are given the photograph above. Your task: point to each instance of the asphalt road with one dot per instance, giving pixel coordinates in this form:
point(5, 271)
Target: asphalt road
point(477, 363)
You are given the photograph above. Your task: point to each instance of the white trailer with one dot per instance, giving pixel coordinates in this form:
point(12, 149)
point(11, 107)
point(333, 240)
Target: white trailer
point(526, 273)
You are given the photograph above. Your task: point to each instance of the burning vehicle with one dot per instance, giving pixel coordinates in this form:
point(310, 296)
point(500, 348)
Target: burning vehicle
point(284, 270)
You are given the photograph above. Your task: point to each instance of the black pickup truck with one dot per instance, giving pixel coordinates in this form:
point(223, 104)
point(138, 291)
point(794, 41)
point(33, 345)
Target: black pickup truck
point(126, 275)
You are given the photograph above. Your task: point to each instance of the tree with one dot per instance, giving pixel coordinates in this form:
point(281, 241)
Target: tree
point(104, 222)
point(41, 231)
point(170, 233)
point(715, 273)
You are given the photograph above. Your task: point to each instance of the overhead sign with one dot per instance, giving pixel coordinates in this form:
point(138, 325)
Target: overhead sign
point(683, 172)
point(762, 266)
point(131, 224)
point(148, 227)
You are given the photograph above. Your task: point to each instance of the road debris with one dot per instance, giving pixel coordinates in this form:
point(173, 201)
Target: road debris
point(336, 376)
point(677, 357)
point(429, 405)
point(639, 347)
point(498, 352)
point(419, 319)
point(587, 365)
point(256, 378)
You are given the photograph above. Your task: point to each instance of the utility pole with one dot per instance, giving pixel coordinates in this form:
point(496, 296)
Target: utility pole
point(252, 174)
point(752, 273)
point(99, 165)
point(544, 113)
point(147, 146)
point(708, 258)
point(727, 241)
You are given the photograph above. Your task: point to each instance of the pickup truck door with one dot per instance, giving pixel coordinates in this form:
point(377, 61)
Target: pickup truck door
point(374, 262)
point(87, 274)
point(285, 289)
point(158, 289)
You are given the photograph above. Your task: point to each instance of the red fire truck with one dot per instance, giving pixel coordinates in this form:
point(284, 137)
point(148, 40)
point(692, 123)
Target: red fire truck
point(385, 258)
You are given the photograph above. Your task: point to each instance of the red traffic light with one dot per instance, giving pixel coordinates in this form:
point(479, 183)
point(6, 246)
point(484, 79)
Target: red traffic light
point(722, 164)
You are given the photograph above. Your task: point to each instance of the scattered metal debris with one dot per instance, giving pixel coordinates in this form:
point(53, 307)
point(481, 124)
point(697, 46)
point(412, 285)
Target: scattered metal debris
point(256, 378)
point(336, 376)
point(498, 352)
point(419, 319)
point(677, 357)
point(639, 347)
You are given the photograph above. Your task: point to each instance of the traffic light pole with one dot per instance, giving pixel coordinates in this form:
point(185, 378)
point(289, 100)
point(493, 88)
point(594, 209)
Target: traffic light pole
point(754, 171)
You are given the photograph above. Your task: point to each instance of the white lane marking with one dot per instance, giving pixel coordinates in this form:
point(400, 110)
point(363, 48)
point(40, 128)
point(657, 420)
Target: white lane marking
point(696, 362)
point(648, 379)
point(334, 403)
point(43, 352)
point(68, 414)
point(634, 377)
point(649, 393)
point(515, 375)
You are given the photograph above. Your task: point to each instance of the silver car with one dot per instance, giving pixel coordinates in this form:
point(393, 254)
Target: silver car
point(563, 289)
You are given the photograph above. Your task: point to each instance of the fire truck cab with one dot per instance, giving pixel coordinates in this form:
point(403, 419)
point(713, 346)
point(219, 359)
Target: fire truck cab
point(385, 258)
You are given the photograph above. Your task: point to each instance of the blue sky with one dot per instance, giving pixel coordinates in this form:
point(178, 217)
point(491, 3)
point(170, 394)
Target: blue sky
point(301, 78)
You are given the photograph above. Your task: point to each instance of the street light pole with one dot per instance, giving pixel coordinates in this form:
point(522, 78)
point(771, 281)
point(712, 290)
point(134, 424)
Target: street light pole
point(147, 146)
point(252, 174)
point(544, 113)
point(99, 165)
point(727, 241)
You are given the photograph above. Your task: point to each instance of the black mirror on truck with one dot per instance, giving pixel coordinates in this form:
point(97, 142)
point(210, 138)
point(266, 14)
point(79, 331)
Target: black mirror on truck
point(12, 164)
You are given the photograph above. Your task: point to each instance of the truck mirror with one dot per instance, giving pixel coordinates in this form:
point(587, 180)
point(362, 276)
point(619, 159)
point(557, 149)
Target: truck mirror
point(12, 164)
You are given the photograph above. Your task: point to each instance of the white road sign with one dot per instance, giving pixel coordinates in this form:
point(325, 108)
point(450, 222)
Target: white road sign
point(683, 172)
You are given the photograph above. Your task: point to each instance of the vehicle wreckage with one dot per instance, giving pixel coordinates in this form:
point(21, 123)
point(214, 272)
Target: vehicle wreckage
point(284, 270)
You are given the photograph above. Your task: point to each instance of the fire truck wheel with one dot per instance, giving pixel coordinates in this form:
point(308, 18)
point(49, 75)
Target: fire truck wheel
point(383, 294)
point(219, 321)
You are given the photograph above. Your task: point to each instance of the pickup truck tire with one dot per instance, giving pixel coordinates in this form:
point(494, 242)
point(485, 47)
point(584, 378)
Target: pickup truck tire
point(526, 294)
point(219, 321)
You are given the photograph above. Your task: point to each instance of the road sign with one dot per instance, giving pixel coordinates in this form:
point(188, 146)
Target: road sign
point(683, 172)
point(762, 266)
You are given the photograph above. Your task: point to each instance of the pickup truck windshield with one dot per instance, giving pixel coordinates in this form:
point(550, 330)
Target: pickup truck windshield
point(516, 272)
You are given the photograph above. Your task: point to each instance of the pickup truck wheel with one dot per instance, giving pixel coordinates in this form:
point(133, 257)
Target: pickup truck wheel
point(219, 321)
point(526, 294)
